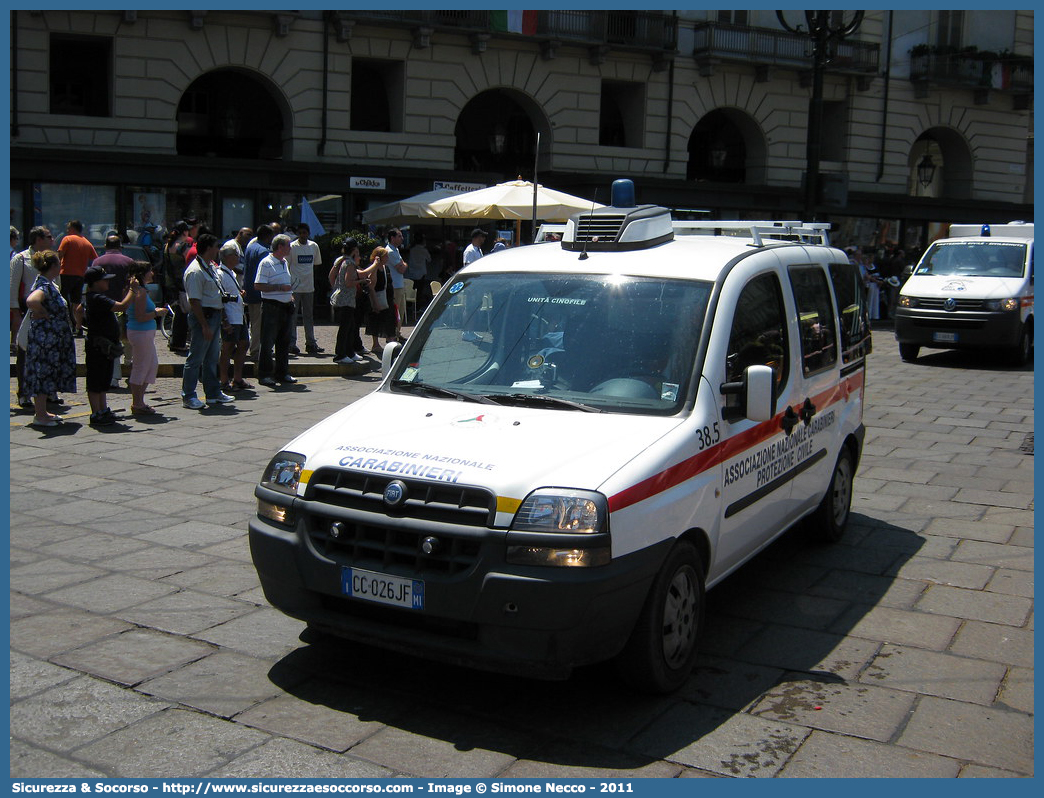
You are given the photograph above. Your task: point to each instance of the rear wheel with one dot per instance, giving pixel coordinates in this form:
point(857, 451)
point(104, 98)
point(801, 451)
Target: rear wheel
point(909, 352)
point(661, 651)
point(829, 520)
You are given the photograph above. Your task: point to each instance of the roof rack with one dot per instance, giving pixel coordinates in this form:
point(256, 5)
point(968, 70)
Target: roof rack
point(790, 230)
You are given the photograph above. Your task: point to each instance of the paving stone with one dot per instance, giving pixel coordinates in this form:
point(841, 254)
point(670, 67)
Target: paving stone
point(994, 498)
point(995, 642)
point(225, 683)
point(31, 762)
point(887, 625)
point(218, 578)
point(1023, 536)
point(185, 612)
point(156, 562)
point(43, 576)
point(94, 546)
point(728, 683)
point(287, 759)
point(854, 709)
point(933, 508)
point(838, 756)
point(1012, 583)
point(49, 633)
point(134, 656)
point(977, 605)
point(935, 674)
point(326, 713)
point(1017, 690)
point(76, 712)
point(21, 606)
point(29, 675)
point(807, 650)
point(1001, 739)
point(560, 759)
point(870, 589)
point(720, 741)
point(192, 535)
point(980, 772)
point(945, 572)
point(110, 593)
point(171, 744)
point(263, 632)
point(806, 611)
point(1019, 558)
point(441, 745)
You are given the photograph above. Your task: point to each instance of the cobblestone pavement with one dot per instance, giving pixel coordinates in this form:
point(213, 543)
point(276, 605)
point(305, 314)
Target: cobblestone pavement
point(141, 644)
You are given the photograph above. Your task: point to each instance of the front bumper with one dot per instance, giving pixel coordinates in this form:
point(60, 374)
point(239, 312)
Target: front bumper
point(534, 621)
point(958, 329)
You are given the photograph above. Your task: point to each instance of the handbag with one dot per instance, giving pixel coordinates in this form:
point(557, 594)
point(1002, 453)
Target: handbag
point(378, 300)
point(107, 348)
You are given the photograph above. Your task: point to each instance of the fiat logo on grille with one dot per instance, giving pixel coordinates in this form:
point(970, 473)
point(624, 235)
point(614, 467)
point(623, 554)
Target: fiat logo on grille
point(950, 304)
point(395, 493)
point(430, 545)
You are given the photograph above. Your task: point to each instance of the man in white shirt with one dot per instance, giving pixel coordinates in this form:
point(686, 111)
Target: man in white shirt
point(203, 288)
point(472, 254)
point(274, 282)
point(304, 256)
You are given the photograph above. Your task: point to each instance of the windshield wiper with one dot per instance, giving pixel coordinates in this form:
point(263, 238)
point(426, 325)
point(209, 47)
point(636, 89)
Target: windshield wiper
point(540, 400)
point(438, 390)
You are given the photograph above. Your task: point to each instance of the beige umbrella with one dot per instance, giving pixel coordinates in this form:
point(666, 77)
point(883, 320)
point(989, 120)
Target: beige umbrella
point(512, 200)
point(412, 210)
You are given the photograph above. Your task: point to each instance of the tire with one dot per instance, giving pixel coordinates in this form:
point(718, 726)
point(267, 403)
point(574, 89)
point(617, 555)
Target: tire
point(660, 654)
point(167, 323)
point(909, 352)
point(1020, 355)
point(830, 519)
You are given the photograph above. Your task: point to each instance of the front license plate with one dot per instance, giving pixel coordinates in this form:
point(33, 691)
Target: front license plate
point(383, 588)
point(945, 338)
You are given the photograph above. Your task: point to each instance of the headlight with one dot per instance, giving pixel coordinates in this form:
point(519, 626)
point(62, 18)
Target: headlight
point(907, 302)
point(284, 473)
point(1002, 304)
point(554, 510)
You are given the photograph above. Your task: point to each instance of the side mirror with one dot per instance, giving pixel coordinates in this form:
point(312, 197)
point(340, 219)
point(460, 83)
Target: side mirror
point(390, 352)
point(760, 387)
point(755, 394)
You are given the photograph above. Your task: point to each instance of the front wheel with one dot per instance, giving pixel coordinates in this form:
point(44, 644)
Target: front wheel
point(829, 520)
point(1020, 355)
point(661, 651)
point(909, 352)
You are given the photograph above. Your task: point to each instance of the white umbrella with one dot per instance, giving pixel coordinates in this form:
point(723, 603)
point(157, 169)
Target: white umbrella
point(410, 210)
point(511, 200)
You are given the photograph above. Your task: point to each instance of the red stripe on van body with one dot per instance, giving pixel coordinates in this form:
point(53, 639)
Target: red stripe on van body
point(726, 450)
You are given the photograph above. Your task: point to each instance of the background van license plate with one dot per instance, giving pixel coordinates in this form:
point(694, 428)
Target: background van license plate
point(383, 588)
point(945, 338)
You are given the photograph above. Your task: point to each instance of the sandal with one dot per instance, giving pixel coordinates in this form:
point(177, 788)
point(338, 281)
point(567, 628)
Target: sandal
point(143, 411)
point(240, 385)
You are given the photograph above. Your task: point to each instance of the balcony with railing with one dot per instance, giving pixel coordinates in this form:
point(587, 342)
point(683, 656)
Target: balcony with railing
point(718, 42)
point(970, 68)
point(654, 32)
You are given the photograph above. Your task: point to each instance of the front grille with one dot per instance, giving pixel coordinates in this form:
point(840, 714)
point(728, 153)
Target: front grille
point(936, 303)
point(948, 323)
point(374, 543)
point(599, 227)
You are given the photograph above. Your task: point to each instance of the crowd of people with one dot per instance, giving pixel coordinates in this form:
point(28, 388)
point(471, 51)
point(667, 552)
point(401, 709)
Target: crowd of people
point(884, 270)
point(233, 301)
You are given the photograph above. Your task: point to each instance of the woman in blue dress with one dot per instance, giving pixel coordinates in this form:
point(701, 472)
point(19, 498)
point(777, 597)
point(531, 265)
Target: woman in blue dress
point(50, 358)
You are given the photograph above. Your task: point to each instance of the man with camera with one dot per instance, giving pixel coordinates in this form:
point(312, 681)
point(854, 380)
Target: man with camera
point(206, 299)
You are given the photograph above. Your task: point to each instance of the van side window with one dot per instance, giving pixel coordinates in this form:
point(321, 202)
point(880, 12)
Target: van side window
point(759, 332)
point(854, 321)
point(815, 317)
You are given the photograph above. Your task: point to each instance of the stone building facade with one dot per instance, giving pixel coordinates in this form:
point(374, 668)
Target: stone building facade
point(129, 118)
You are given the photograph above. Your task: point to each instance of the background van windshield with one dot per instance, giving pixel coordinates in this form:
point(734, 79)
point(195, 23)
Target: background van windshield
point(975, 259)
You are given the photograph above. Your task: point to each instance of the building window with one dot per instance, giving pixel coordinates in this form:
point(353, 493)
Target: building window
point(377, 95)
point(81, 75)
point(56, 204)
point(621, 117)
point(732, 17)
point(951, 23)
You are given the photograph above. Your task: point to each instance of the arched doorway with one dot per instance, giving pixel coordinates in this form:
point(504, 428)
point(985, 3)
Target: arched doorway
point(230, 114)
point(940, 165)
point(496, 132)
point(726, 146)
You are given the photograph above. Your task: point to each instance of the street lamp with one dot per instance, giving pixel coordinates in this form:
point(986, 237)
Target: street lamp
point(822, 35)
point(926, 170)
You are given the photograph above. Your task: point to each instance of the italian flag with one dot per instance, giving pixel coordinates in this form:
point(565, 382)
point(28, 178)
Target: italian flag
point(524, 22)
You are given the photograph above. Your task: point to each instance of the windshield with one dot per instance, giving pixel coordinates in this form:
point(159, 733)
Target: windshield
point(974, 259)
point(592, 342)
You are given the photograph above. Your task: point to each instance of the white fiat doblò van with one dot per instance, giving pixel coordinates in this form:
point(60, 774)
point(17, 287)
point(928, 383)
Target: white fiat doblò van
point(973, 290)
point(576, 441)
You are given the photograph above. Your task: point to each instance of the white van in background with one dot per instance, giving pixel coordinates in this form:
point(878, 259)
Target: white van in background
point(971, 290)
point(574, 443)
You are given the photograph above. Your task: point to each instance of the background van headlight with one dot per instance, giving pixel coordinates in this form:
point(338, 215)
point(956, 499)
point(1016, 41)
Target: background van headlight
point(578, 512)
point(907, 301)
point(1002, 304)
